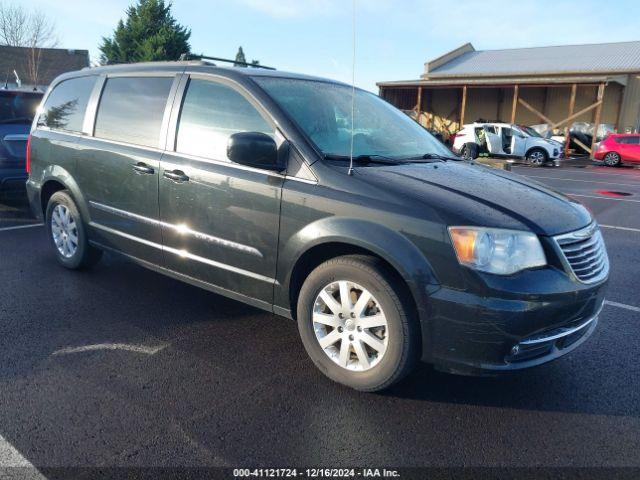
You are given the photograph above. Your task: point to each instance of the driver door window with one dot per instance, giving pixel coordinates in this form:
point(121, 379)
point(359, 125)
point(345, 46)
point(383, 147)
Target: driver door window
point(211, 113)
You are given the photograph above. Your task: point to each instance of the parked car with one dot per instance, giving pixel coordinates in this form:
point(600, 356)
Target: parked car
point(239, 181)
point(505, 140)
point(618, 148)
point(580, 134)
point(17, 109)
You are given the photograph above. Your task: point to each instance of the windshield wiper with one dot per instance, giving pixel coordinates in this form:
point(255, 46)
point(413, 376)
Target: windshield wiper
point(368, 158)
point(433, 156)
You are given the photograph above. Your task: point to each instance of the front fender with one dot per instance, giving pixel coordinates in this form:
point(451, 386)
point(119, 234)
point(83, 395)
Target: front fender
point(382, 241)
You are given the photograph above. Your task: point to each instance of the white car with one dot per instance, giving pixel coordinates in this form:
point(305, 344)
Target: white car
point(506, 140)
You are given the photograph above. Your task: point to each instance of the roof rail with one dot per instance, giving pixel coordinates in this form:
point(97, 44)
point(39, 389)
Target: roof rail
point(189, 56)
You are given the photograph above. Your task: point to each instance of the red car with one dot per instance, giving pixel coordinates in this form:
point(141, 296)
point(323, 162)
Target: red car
point(618, 148)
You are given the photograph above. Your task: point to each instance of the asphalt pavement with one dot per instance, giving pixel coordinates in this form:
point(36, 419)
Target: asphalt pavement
point(120, 366)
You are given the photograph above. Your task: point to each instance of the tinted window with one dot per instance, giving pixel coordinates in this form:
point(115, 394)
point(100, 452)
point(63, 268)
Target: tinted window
point(131, 109)
point(66, 105)
point(628, 140)
point(211, 113)
point(18, 107)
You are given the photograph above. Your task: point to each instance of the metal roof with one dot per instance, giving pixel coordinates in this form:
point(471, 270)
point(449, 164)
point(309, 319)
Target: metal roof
point(505, 81)
point(594, 58)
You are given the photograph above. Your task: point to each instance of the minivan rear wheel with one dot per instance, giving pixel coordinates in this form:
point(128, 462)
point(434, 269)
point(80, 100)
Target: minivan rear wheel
point(356, 324)
point(67, 233)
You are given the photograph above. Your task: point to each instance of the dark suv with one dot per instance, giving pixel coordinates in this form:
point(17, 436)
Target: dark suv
point(237, 180)
point(17, 109)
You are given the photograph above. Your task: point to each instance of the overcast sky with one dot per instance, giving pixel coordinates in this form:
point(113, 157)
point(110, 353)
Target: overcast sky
point(394, 37)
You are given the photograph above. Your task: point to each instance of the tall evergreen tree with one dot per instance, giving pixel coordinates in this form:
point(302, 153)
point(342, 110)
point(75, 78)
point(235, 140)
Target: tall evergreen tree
point(240, 58)
point(149, 33)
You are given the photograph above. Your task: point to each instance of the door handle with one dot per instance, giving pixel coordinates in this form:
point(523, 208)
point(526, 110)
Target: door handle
point(177, 176)
point(143, 169)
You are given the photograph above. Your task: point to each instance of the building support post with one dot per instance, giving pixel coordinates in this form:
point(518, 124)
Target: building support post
point(623, 91)
point(428, 109)
point(463, 105)
point(514, 105)
point(419, 105)
point(596, 120)
point(572, 106)
point(545, 100)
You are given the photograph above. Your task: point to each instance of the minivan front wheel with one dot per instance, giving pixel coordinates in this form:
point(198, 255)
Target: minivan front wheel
point(355, 324)
point(67, 233)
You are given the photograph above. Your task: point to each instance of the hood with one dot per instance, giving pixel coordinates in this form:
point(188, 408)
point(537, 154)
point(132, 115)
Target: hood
point(470, 194)
point(553, 142)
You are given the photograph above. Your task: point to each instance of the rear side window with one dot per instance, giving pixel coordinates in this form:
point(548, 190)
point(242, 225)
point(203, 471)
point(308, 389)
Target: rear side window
point(66, 104)
point(211, 113)
point(628, 140)
point(131, 109)
point(18, 107)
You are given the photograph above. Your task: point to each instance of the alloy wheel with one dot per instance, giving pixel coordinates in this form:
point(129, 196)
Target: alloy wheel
point(611, 159)
point(64, 231)
point(536, 158)
point(350, 326)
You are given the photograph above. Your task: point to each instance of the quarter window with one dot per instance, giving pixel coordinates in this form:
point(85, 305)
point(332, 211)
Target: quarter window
point(67, 103)
point(211, 113)
point(131, 109)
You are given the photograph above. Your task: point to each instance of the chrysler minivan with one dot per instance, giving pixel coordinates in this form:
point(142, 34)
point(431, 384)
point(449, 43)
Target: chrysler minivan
point(239, 181)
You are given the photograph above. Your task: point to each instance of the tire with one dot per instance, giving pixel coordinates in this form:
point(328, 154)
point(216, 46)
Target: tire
point(537, 157)
point(469, 151)
point(397, 342)
point(64, 224)
point(612, 159)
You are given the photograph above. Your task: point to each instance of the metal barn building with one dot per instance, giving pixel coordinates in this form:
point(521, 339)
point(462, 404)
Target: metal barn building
point(558, 86)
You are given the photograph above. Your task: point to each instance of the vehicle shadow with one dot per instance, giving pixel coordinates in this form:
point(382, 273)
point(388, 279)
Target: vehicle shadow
point(14, 208)
point(567, 385)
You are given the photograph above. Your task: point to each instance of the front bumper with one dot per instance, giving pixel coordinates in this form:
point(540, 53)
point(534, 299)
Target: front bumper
point(538, 317)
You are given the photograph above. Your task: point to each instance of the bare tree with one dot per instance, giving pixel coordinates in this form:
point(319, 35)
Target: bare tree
point(14, 21)
point(32, 30)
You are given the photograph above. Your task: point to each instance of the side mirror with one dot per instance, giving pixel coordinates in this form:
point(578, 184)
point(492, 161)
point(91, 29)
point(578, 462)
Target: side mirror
point(254, 149)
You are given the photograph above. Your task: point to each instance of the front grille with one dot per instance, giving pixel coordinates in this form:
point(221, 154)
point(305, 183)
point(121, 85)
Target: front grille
point(585, 253)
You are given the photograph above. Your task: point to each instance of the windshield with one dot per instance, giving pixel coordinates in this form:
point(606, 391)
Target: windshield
point(529, 131)
point(323, 111)
point(18, 107)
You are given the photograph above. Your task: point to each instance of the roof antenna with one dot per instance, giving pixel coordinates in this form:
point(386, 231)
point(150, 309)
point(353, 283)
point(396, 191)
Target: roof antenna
point(353, 89)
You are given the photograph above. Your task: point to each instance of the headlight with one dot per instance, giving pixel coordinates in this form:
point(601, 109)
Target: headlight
point(498, 251)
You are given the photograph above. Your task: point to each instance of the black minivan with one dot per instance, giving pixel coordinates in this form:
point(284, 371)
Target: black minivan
point(238, 180)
